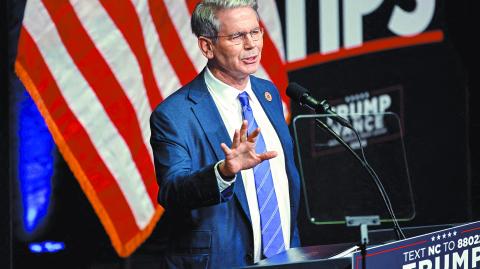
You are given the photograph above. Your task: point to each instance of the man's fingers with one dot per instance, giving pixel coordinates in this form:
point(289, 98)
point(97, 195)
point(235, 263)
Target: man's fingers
point(253, 136)
point(236, 139)
point(267, 155)
point(243, 131)
point(225, 149)
point(245, 125)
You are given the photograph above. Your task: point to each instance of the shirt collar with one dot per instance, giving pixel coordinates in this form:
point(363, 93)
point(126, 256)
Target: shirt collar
point(223, 91)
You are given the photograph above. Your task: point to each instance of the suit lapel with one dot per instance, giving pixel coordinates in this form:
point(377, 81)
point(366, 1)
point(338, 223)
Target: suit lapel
point(209, 118)
point(212, 124)
point(276, 119)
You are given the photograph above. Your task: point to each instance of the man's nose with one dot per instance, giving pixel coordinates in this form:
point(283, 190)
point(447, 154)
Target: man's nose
point(248, 41)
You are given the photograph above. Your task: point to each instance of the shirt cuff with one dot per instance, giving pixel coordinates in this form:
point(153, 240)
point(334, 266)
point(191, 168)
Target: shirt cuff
point(224, 187)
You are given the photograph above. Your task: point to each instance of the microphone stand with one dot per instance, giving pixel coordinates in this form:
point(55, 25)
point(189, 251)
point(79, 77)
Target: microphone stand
point(325, 107)
point(303, 96)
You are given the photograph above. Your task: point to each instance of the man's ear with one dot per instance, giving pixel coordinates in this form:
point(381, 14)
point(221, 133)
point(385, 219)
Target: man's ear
point(206, 46)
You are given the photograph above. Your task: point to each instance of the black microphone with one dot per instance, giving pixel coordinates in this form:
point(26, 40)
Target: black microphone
point(302, 95)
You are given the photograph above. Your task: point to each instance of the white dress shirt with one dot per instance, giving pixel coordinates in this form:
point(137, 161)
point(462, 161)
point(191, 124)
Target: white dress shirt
point(226, 100)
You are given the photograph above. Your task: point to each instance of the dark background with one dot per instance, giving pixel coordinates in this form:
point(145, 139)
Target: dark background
point(5, 248)
point(441, 122)
point(442, 130)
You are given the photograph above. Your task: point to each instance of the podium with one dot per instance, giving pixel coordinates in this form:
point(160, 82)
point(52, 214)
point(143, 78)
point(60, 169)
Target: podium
point(308, 257)
point(455, 247)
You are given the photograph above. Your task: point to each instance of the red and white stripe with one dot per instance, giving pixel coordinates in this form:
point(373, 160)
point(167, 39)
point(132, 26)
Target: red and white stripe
point(96, 70)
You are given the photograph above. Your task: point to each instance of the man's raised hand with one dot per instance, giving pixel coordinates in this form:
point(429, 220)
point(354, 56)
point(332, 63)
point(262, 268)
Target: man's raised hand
point(242, 154)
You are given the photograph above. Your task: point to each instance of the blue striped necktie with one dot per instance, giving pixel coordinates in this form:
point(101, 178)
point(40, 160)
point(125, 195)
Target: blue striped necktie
point(272, 236)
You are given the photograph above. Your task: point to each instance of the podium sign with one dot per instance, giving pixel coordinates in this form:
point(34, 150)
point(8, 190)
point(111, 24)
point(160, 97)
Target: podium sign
point(454, 248)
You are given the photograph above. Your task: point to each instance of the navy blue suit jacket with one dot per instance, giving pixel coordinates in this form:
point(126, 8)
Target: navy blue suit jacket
point(200, 229)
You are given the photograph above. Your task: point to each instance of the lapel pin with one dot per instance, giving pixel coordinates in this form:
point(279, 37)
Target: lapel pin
point(268, 96)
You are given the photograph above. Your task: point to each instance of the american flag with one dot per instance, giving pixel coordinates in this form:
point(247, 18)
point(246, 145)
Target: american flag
point(96, 69)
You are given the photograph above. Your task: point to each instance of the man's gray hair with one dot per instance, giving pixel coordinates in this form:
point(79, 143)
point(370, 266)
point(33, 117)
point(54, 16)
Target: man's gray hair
point(204, 20)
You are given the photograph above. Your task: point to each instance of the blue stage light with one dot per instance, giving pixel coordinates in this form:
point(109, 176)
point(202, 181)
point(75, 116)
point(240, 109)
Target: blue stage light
point(35, 164)
point(35, 248)
point(46, 247)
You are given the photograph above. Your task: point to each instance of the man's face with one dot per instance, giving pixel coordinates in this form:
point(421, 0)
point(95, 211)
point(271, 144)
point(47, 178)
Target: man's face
point(236, 61)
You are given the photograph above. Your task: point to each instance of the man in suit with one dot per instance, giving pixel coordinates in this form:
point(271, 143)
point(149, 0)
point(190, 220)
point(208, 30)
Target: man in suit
point(223, 153)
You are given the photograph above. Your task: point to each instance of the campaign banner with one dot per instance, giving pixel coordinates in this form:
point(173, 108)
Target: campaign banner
point(366, 111)
point(454, 248)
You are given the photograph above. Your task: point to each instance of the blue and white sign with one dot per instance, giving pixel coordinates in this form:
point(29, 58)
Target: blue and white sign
point(454, 248)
